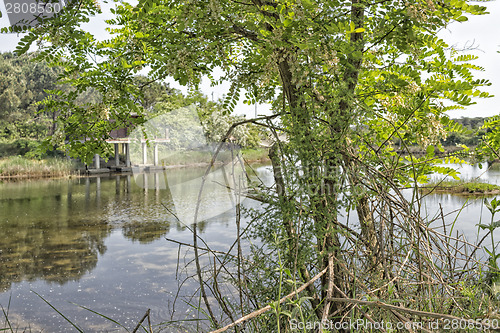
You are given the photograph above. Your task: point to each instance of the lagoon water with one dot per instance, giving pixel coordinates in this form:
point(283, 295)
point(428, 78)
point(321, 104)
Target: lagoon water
point(100, 243)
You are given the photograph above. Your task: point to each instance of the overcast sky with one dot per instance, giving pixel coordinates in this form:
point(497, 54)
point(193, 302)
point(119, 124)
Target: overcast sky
point(480, 33)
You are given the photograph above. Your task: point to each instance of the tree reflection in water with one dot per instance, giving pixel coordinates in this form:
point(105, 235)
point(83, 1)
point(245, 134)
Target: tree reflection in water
point(98, 242)
point(55, 230)
point(55, 253)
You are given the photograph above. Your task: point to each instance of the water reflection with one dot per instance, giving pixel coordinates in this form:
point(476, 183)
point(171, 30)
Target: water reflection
point(99, 242)
point(56, 230)
point(465, 212)
point(58, 252)
point(223, 183)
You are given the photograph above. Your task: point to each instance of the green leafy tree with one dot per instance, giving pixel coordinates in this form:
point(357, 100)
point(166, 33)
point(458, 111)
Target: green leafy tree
point(217, 125)
point(489, 147)
point(345, 78)
point(12, 86)
point(152, 91)
point(23, 86)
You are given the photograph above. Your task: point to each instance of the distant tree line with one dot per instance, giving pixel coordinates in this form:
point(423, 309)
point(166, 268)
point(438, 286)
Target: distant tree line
point(469, 132)
point(470, 135)
point(22, 86)
point(24, 121)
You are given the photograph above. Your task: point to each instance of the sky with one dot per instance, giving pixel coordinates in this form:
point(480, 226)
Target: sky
point(480, 33)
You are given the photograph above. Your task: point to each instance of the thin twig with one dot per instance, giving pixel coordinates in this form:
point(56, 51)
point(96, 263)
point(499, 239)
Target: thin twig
point(268, 307)
point(146, 315)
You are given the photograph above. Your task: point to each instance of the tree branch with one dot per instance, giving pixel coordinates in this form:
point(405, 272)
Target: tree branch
point(268, 307)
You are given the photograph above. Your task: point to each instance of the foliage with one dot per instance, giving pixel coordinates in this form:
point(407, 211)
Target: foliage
point(19, 147)
point(23, 86)
point(481, 187)
point(218, 123)
point(253, 155)
point(345, 77)
point(490, 143)
point(208, 115)
point(469, 133)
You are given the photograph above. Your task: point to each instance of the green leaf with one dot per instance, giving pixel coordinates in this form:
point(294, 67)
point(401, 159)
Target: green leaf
point(430, 150)
point(488, 205)
point(495, 225)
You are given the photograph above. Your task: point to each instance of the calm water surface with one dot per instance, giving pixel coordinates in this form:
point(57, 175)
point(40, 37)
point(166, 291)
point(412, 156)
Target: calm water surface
point(100, 243)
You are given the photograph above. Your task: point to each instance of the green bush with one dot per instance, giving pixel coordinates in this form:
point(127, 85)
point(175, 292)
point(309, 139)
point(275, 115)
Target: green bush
point(25, 147)
point(18, 147)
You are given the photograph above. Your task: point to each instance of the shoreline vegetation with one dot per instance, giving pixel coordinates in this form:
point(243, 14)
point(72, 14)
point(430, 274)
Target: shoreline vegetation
point(19, 167)
point(24, 168)
point(461, 187)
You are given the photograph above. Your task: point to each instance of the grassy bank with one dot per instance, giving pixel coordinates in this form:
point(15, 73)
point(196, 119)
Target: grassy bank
point(22, 167)
point(462, 187)
point(256, 155)
point(193, 157)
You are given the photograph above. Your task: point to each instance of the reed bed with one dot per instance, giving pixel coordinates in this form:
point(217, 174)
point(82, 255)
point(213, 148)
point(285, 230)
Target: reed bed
point(21, 167)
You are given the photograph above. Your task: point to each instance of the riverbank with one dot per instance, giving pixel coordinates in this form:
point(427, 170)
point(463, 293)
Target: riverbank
point(418, 151)
point(197, 158)
point(17, 167)
point(461, 187)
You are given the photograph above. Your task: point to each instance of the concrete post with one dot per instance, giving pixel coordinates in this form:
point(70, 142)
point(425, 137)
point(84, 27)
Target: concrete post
point(156, 154)
point(97, 161)
point(117, 155)
point(127, 155)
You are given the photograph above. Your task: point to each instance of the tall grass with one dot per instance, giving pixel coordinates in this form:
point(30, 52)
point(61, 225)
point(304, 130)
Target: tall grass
point(22, 167)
